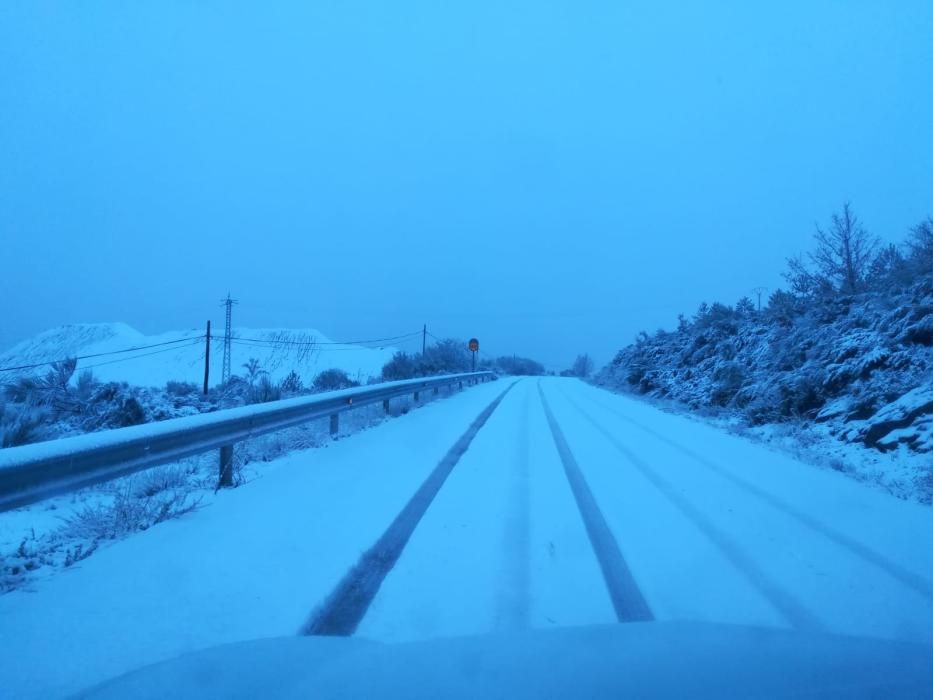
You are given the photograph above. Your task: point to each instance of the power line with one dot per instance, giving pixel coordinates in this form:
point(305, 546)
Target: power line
point(273, 341)
point(98, 354)
point(300, 346)
point(192, 343)
point(256, 342)
point(310, 346)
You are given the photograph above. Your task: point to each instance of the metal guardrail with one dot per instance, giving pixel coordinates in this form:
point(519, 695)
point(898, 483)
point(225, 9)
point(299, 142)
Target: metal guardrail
point(34, 472)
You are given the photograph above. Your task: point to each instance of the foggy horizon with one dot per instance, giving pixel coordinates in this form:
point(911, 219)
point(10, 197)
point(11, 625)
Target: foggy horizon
point(550, 179)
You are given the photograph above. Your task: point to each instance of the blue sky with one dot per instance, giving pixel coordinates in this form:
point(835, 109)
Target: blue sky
point(549, 177)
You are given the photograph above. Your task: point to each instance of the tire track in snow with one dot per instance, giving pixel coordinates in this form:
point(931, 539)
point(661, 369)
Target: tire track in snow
point(344, 609)
point(904, 576)
point(627, 600)
point(796, 614)
point(513, 605)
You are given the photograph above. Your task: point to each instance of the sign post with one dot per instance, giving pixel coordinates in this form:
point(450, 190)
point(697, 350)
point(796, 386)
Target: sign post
point(474, 348)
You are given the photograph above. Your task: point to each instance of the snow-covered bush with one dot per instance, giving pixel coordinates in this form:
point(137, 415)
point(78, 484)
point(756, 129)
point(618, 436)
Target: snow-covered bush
point(452, 356)
point(401, 366)
point(173, 388)
point(158, 479)
point(445, 357)
point(332, 380)
point(112, 405)
point(292, 384)
point(833, 357)
point(728, 378)
point(21, 424)
point(127, 513)
point(513, 365)
point(582, 367)
point(85, 385)
point(264, 390)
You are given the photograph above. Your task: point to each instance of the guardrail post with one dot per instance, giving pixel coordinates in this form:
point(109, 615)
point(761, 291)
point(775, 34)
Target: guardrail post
point(226, 466)
point(436, 390)
point(334, 424)
point(69, 463)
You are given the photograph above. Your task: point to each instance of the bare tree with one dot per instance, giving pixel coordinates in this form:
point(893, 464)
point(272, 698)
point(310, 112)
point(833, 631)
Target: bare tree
point(582, 366)
point(921, 245)
point(803, 282)
point(845, 251)
point(888, 267)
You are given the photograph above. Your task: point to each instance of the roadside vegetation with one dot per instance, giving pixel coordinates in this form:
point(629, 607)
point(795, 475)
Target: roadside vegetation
point(62, 402)
point(451, 356)
point(847, 346)
point(59, 404)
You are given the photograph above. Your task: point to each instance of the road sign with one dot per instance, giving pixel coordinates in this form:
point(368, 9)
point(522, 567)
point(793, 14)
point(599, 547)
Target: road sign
point(474, 345)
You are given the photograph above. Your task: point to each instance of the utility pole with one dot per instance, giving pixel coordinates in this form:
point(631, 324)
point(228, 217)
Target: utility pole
point(759, 291)
point(424, 338)
point(207, 356)
point(228, 334)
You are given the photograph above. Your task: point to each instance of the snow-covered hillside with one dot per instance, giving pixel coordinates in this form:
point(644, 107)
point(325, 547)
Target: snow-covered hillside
point(845, 381)
point(179, 355)
point(860, 364)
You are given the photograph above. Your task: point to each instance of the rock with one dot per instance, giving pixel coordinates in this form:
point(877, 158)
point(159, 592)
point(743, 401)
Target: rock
point(918, 436)
point(898, 416)
point(834, 409)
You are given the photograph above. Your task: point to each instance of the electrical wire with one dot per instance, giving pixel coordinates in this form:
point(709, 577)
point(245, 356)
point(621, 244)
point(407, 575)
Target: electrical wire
point(102, 354)
point(251, 342)
point(310, 346)
point(196, 341)
point(273, 341)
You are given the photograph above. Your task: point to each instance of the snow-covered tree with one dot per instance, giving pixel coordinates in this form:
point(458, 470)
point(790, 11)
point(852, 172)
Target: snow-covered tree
point(582, 366)
point(745, 307)
point(921, 246)
point(889, 266)
point(804, 282)
point(844, 251)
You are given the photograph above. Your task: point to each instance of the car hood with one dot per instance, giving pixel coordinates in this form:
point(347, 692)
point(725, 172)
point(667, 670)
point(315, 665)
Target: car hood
point(637, 660)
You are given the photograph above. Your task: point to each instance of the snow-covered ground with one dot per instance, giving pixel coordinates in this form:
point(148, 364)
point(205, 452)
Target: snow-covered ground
point(179, 355)
point(900, 471)
point(713, 527)
point(38, 540)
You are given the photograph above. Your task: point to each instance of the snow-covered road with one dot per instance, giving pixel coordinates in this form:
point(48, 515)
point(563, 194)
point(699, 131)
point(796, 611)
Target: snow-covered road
point(712, 528)
point(694, 523)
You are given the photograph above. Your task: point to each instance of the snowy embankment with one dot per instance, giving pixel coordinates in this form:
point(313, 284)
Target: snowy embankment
point(38, 541)
point(179, 355)
point(850, 376)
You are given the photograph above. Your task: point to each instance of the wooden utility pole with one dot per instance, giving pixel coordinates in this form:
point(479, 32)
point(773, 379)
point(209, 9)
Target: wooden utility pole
point(424, 338)
point(207, 356)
